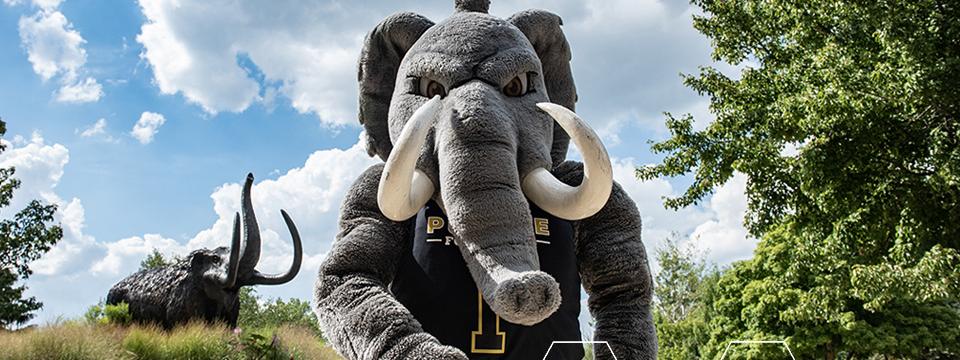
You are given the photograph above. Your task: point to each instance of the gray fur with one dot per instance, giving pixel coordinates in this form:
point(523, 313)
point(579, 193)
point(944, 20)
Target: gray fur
point(377, 70)
point(472, 5)
point(483, 141)
point(357, 313)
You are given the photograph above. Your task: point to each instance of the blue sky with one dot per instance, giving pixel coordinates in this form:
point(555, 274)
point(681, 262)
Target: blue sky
point(222, 88)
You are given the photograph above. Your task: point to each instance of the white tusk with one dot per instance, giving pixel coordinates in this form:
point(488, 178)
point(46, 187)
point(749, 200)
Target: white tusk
point(562, 200)
point(404, 189)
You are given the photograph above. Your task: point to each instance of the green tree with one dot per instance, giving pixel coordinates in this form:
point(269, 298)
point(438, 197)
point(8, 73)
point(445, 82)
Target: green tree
point(685, 289)
point(154, 260)
point(271, 314)
point(23, 239)
point(845, 120)
point(681, 271)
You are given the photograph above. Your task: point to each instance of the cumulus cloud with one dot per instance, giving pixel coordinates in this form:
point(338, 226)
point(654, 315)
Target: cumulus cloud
point(39, 166)
point(54, 49)
point(148, 126)
point(282, 49)
point(309, 62)
point(98, 128)
point(311, 194)
point(87, 90)
point(724, 237)
point(53, 46)
point(125, 254)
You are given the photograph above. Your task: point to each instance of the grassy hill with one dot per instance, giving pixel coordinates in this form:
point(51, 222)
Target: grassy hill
point(78, 340)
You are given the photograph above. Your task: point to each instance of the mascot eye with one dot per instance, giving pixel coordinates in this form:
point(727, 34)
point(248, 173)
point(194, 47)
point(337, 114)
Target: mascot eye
point(516, 87)
point(430, 88)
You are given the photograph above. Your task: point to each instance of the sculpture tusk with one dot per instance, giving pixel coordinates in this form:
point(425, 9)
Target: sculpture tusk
point(250, 254)
point(229, 279)
point(262, 279)
point(404, 189)
point(562, 200)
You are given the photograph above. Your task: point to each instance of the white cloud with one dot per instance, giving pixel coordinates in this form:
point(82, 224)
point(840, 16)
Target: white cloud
point(306, 60)
point(47, 4)
point(715, 228)
point(724, 237)
point(39, 167)
point(148, 126)
point(88, 90)
point(311, 194)
point(54, 48)
point(125, 255)
point(43, 4)
point(98, 128)
point(313, 63)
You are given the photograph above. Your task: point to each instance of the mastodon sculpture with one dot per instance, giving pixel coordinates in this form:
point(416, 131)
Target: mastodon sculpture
point(205, 285)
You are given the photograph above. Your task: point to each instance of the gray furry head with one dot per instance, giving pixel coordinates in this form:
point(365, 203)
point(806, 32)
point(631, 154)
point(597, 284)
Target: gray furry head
point(390, 42)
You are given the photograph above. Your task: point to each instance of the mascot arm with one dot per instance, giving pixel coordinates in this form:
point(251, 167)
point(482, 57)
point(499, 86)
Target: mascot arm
point(357, 313)
point(614, 270)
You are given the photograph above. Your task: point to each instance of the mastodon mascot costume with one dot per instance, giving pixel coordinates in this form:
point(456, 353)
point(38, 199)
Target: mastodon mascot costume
point(474, 237)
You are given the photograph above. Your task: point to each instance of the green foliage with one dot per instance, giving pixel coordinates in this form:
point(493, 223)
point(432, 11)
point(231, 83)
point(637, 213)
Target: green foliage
point(154, 260)
point(845, 121)
point(118, 314)
point(23, 239)
point(263, 345)
point(679, 278)
point(94, 313)
point(258, 314)
point(684, 292)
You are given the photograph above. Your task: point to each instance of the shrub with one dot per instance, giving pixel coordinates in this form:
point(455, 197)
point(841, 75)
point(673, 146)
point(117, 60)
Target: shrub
point(118, 314)
point(263, 344)
point(272, 314)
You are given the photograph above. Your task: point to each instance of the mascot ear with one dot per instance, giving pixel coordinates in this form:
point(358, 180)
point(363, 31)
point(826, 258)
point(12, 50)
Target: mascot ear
point(542, 28)
point(383, 50)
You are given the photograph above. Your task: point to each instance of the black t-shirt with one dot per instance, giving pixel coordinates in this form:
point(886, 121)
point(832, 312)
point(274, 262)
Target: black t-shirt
point(434, 284)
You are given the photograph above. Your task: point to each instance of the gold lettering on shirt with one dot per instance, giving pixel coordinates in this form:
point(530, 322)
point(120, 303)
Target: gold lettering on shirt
point(434, 223)
point(541, 226)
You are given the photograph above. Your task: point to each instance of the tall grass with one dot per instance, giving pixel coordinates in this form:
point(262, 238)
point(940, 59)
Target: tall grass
point(302, 343)
point(80, 341)
point(63, 341)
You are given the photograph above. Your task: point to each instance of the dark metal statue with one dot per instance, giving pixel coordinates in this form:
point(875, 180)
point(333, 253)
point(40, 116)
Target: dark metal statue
point(205, 285)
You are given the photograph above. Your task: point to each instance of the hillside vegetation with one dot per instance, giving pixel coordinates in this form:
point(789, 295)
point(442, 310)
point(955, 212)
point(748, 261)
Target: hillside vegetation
point(78, 340)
